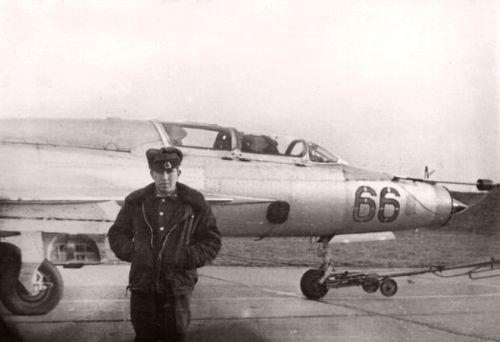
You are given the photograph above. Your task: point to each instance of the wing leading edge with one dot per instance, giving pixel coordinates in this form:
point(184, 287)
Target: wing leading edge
point(81, 215)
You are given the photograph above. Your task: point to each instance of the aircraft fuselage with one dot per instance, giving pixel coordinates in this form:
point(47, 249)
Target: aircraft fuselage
point(63, 182)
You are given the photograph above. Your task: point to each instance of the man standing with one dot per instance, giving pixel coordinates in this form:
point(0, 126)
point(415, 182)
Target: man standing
point(166, 230)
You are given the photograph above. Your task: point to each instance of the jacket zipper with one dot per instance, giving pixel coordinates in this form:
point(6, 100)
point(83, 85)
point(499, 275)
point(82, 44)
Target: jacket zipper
point(149, 226)
point(165, 241)
point(161, 250)
point(168, 234)
point(158, 264)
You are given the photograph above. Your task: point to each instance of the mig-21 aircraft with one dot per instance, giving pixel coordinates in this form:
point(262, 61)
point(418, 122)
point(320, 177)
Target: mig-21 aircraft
point(63, 181)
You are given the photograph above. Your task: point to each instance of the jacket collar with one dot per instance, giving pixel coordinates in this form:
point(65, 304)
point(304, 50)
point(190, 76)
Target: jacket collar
point(185, 194)
point(191, 196)
point(139, 195)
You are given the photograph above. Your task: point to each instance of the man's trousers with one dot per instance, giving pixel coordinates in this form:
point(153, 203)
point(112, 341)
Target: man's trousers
point(159, 317)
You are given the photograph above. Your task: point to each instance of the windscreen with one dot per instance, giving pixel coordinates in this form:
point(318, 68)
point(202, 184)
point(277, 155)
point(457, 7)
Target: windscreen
point(318, 154)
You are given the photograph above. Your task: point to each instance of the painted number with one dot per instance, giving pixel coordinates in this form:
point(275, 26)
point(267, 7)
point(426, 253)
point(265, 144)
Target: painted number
point(365, 206)
point(388, 202)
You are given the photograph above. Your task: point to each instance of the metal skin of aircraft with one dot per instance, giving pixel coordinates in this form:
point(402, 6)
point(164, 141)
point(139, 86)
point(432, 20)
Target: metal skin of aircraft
point(63, 181)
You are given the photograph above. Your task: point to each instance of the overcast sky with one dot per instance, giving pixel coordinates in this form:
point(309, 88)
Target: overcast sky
point(388, 85)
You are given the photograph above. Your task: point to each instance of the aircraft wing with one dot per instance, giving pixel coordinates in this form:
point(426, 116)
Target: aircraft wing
point(85, 215)
point(72, 216)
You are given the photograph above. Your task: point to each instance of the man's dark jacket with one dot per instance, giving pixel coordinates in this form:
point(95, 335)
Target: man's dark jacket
point(191, 241)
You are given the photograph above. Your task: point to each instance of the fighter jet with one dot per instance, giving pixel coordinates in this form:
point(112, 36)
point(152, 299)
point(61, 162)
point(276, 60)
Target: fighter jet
point(63, 181)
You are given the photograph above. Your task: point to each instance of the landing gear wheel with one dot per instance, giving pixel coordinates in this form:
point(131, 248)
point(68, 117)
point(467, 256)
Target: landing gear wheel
point(48, 290)
point(310, 285)
point(370, 286)
point(388, 287)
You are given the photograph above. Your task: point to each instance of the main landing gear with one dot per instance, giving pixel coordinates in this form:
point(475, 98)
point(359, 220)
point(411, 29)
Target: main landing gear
point(315, 283)
point(46, 290)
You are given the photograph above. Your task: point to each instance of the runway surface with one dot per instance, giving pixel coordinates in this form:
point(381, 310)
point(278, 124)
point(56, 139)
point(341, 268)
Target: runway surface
point(265, 304)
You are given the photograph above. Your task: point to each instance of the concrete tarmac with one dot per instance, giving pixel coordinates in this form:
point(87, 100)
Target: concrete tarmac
point(265, 304)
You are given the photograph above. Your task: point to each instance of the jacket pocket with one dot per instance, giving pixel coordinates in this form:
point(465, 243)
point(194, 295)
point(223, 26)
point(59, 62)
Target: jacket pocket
point(127, 251)
point(184, 281)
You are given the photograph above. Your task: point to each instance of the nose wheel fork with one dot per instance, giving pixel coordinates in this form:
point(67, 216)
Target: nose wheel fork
point(324, 254)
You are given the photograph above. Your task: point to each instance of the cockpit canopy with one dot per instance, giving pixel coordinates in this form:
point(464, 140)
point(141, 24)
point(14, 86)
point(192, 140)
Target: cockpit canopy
point(249, 144)
point(135, 136)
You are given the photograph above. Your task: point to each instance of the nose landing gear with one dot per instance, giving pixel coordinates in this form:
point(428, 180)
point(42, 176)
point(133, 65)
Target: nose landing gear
point(315, 283)
point(312, 288)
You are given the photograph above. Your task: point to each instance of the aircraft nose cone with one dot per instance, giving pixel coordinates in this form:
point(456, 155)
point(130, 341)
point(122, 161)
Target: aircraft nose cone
point(457, 206)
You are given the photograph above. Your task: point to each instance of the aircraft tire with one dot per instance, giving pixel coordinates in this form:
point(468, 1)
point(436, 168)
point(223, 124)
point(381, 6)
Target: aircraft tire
point(18, 301)
point(310, 286)
point(370, 286)
point(388, 287)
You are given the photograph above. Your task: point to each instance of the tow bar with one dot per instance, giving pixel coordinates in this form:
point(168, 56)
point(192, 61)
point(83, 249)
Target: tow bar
point(312, 287)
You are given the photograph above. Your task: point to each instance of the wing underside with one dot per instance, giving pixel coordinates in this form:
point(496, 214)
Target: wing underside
point(84, 215)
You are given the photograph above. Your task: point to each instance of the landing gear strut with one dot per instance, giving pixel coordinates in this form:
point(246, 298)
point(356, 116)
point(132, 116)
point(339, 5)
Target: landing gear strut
point(313, 281)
